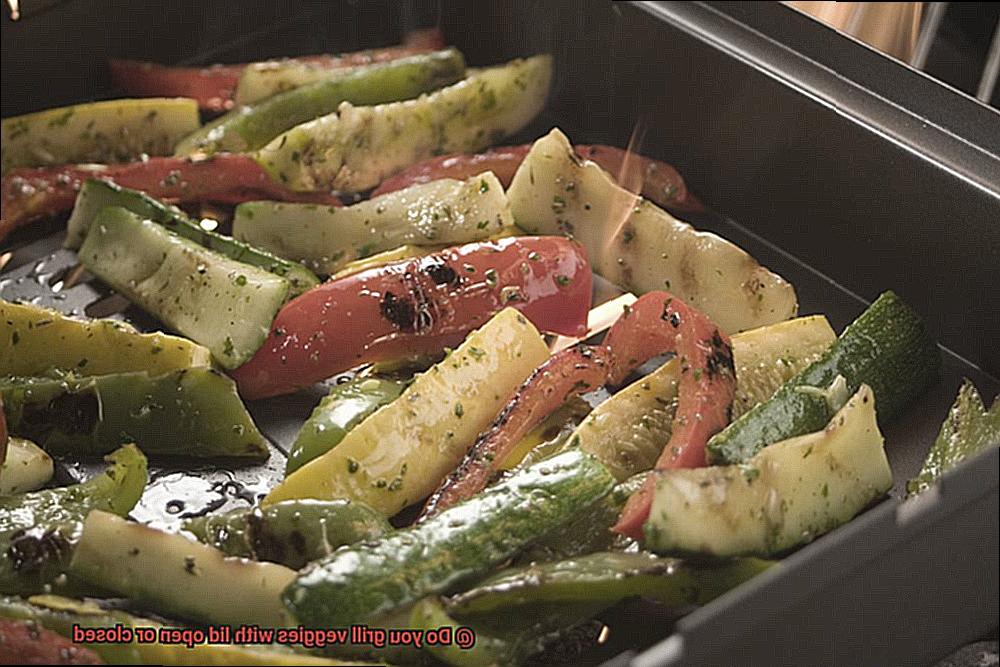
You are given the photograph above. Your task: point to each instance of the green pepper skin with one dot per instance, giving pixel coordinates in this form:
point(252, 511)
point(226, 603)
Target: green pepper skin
point(519, 636)
point(346, 406)
point(96, 195)
point(589, 531)
point(38, 529)
point(604, 577)
point(293, 532)
point(887, 348)
point(362, 582)
point(251, 126)
point(969, 429)
point(191, 412)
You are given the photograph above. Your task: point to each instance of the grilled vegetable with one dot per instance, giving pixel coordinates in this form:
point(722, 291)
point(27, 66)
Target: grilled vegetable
point(418, 307)
point(554, 192)
point(213, 87)
point(291, 533)
point(969, 429)
point(628, 431)
point(398, 455)
point(368, 580)
point(38, 530)
point(346, 406)
point(26, 468)
point(162, 569)
point(259, 81)
point(61, 614)
point(111, 131)
point(602, 578)
point(326, 239)
point(357, 147)
point(226, 305)
point(549, 437)
point(250, 127)
point(507, 640)
point(661, 183)
point(790, 493)
point(41, 340)
point(193, 412)
point(886, 348)
point(97, 195)
point(589, 531)
point(770, 356)
point(28, 194)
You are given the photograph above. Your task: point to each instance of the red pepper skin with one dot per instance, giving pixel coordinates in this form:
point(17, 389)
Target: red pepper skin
point(705, 395)
point(28, 194)
point(27, 643)
point(419, 306)
point(655, 324)
point(661, 183)
point(569, 373)
point(213, 86)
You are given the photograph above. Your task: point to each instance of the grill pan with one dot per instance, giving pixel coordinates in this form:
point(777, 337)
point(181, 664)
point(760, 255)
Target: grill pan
point(834, 166)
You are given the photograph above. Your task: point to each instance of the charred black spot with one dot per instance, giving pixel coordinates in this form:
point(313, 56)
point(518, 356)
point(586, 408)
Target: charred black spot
point(31, 549)
point(67, 413)
point(263, 542)
point(399, 311)
point(442, 274)
point(721, 358)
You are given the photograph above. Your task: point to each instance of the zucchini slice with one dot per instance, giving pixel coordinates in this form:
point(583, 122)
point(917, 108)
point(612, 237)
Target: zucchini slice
point(96, 195)
point(790, 493)
point(363, 582)
point(225, 305)
point(356, 148)
point(110, 131)
point(555, 192)
point(887, 348)
point(165, 569)
point(400, 454)
point(326, 239)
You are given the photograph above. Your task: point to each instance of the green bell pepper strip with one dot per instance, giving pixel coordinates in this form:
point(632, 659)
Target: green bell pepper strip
point(346, 406)
point(605, 577)
point(191, 412)
point(38, 529)
point(293, 533)
point(251, 126)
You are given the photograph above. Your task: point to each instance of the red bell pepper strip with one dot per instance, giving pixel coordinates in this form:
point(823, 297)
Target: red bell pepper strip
point(27, 194)
point(655, 324)
point(705, 396)
point(213, 86)
point(569, 373)
point(419, 306)
point(661, 183)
